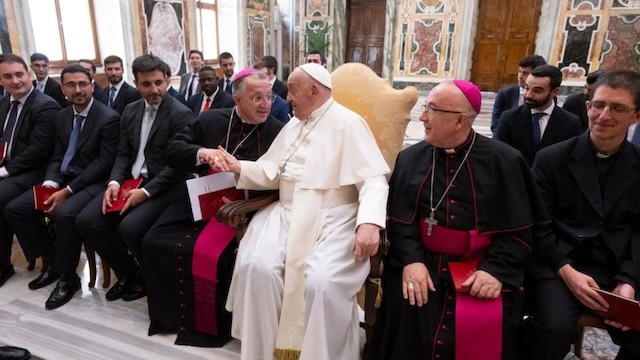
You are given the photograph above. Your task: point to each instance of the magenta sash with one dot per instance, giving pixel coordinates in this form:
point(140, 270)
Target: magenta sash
point(210, 243)
point(478, 322)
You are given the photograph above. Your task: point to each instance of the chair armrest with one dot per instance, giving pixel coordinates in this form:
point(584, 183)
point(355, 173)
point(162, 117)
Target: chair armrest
point(235, 213)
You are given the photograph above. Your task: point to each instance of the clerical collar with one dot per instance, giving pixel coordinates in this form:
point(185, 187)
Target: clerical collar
point(462, 147)
point(600, 155)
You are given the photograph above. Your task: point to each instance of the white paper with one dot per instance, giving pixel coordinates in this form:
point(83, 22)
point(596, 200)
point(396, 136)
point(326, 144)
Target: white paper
point(207, 184)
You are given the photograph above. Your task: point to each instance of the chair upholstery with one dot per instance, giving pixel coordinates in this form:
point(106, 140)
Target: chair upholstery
point(387, 111)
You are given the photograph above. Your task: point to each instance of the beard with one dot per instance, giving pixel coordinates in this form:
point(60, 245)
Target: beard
point(532, 103)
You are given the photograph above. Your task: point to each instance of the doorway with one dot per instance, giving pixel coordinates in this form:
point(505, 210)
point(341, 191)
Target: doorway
point(505, 35)
point(365, 33)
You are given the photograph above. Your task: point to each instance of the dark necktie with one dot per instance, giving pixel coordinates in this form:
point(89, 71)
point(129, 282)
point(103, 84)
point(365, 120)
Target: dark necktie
point(191, 86)
point(112, 96)
point(535, 123)
point(71, 148)
point(635, 140)
point(227, 86)
point(11, 122)
point(207, 103)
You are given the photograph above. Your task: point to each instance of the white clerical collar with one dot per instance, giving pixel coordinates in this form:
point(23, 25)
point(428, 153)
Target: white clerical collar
point(317, 113)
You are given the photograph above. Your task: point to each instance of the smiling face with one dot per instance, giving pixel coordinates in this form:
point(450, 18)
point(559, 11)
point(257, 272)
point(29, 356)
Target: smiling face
point(15, 78)
point(253, 100)
point(77, 87)
point(446, 123)
point(152, 86)
point(208, 81)
point(195, 60)
point(607, 125)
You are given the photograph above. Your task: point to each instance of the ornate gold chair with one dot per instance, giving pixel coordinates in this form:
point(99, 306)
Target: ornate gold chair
point(387, 112)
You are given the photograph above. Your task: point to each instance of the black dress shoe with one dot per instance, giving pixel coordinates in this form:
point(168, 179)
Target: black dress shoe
point(63, 292)
point(13, 353)
point(5, 274)
point(45, 278)
point(119, 289)
point(135, 292)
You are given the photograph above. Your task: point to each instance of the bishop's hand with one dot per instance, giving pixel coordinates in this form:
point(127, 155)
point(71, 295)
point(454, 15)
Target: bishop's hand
point(483, 285)
point(416, 281)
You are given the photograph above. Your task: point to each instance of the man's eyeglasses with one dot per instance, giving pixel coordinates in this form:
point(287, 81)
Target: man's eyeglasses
point(257, 99)
point(616, 109)
point(432, 110)
point(72, 86)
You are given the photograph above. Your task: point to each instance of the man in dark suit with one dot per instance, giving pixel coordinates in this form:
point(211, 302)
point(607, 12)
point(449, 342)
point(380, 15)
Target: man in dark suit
point(576, 103)
point(227, 64)
point(28, 127)
point(86, 138)
point(118, 94)
point(270, 65)
point(189, 82)
point(513, 96)
point(540, 122)
point(152, 120)
point(211, 97)
point(89, 65)
point(591, 186)
point(43, 83)
point(3, 93)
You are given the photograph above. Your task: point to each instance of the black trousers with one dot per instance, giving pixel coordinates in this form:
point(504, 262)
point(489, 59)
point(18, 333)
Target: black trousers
point(34, 237)
point(10, 188)
point(551, 327)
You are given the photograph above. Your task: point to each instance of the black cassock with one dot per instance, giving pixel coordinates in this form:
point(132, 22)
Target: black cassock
point(494, 194)
point(168, 248)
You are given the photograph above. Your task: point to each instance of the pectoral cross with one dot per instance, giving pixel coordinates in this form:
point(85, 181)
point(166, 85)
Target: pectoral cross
point(431, 222)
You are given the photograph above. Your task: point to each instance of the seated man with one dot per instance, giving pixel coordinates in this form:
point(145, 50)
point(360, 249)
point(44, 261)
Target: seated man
point(211, 97)
point(152, 120)
point(306, 256)
point(27, 117)
point(85, 146)
point(591, 186)
point(458, 197)
point(168, 248)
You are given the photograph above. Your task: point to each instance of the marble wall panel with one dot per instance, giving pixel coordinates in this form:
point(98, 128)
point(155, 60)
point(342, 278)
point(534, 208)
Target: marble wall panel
point(5, 42)
point(426, 47)
point(622, 43)
point(258, 37)
point(164, 32)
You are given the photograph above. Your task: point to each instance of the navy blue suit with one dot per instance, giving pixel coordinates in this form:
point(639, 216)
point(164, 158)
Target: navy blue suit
point(507, 98)
point(221, 100)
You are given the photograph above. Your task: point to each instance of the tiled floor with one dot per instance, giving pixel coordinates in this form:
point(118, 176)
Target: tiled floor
point(89, 327)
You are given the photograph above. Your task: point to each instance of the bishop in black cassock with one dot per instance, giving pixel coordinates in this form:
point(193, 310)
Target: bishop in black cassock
point(168, 248)
point(491, 193)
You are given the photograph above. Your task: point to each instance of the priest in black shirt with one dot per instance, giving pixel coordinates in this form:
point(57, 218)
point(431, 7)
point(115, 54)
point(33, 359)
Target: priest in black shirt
point(591, 186)
point(456, 197)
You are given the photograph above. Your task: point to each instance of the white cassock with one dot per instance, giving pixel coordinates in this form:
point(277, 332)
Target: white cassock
point(330, 176)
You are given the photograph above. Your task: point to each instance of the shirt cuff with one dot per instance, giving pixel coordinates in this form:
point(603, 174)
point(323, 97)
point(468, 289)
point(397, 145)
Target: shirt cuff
point(146, 192)
point(51, 183)
point(69, 189)
point(113, 182)
point(3, 172)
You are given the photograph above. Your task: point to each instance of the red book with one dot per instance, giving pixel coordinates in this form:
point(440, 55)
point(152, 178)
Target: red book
point(460, 272)
point(622, 310)
point(3, 150)
point(118, 204)
point(40, 195)
point(211, 202)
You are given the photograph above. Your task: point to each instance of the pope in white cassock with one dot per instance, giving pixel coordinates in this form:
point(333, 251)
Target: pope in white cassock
point(304, 258)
